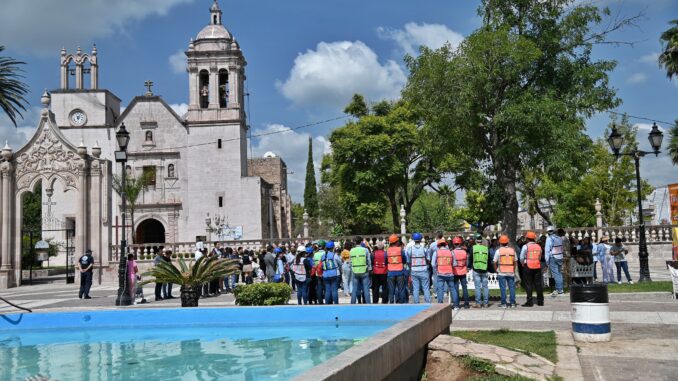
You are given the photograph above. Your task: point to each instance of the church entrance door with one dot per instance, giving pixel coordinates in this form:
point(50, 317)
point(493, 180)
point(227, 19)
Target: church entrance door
point(150, 231)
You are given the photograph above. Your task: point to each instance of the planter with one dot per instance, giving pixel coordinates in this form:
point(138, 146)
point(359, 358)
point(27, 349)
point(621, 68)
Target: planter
point(190, 296)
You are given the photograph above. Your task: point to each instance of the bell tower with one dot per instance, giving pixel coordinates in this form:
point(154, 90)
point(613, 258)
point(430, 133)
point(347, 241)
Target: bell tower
point(77, 105)
point(216, 73)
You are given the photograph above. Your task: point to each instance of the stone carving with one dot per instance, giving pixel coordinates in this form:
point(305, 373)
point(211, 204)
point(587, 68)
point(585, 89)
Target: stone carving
point(48, 154)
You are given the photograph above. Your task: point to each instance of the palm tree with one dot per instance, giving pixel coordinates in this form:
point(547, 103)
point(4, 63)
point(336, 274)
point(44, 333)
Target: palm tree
point(673, 144)
point(191, 277)
point(12, 89)
point(133, 188)
point(669, 57)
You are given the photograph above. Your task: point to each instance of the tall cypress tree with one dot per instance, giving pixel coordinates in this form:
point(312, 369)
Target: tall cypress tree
point(310, 189)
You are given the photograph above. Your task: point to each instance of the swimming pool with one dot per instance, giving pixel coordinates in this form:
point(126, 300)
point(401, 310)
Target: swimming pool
point(244, 343)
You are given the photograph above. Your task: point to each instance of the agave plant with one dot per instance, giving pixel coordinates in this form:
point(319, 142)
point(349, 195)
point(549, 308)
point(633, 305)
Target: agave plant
point(191, 277)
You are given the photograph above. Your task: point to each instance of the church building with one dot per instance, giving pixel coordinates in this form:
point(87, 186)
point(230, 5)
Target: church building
point(199, 181)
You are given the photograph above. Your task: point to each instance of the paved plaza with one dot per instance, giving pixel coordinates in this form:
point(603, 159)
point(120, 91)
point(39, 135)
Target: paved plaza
point(644, 326)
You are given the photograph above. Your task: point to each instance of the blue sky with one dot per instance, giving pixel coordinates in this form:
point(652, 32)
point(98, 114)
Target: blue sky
point(305, 58)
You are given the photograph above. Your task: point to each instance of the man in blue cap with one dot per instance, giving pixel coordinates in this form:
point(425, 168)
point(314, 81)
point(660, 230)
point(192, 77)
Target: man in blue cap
point(419, 260)
point(331, 263)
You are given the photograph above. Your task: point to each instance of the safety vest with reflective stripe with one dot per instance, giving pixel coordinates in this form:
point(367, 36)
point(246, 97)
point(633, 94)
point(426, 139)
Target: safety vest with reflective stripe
point(444, 261)
point(480, 256)
point(379, 262)
point(359, 260)
point(395, 258)
point(299, 271)
point(418, 258)
point(329, 266)
point(533, 257)
point(506, 259)
point(460, 257)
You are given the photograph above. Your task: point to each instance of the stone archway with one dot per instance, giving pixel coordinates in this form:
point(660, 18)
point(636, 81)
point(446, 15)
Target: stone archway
point(49, 157)
point(150, 231)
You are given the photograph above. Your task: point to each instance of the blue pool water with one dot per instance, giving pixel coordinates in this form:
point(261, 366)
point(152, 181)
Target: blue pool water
point(186, 344)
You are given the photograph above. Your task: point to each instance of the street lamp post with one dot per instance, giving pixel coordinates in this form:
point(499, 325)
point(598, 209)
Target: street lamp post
point(123, 299)
point(616, 140)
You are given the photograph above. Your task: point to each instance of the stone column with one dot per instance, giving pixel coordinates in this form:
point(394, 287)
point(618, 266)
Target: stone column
point(599, 217)
point(233, 87)
point(193, 90)
point(214, 87)
point(305, 217)
point(6, 224)
point(96, 205)
point(82, 223)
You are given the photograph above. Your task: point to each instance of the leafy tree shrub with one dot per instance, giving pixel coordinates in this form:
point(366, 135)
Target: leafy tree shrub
point(262, 294)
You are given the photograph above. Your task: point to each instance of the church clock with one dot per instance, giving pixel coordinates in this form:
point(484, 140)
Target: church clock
point(78, 118)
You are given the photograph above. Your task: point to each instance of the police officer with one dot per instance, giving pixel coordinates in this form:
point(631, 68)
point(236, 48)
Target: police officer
point(85, 265)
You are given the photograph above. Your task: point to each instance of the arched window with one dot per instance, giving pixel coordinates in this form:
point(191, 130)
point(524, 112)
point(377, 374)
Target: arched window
point(170, 171)
point(204, 88)
point(223, 88)
point(215, 19)
point(149, 136)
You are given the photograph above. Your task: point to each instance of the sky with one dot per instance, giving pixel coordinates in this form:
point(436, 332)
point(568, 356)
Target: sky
point(306, 58)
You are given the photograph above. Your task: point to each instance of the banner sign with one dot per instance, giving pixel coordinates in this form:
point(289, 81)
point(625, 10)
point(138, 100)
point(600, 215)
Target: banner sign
point(673, 202)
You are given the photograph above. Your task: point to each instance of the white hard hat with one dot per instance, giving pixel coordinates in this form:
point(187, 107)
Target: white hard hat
point(301, 249)
point(550, 229)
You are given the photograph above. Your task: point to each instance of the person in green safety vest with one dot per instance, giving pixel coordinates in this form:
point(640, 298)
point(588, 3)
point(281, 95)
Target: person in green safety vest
point(479, 263)
point(361, 265)
point(317, 261)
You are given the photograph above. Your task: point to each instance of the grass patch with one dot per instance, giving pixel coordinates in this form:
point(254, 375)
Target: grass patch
point(486, 371)
point(541, 343)
point(658, 286)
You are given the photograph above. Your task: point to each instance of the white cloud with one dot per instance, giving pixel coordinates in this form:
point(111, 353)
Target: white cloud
point(180, 108)
point(43, 26)
point(650, 58)
point(334, 71)
point(177, 62)
point(637, 78)
point(415, 35)
point(292, 147)
point(16, 137)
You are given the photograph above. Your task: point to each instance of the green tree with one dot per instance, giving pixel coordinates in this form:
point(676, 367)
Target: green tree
point(310, 188)
point(380, 160)
point(32, 209)
point(297, 219)
point(611, 180)
point(668, 59)
point(134, 186)
point(515, 94)
point(12, 88)
point(434, 212)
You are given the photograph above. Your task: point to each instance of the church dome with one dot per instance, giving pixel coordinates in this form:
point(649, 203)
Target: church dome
point(213, 31)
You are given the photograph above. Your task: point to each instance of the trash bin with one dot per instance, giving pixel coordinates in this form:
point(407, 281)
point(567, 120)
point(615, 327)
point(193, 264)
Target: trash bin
point(590, 312)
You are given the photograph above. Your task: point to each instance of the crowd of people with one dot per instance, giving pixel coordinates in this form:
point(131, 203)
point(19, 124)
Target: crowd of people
point(389, 271)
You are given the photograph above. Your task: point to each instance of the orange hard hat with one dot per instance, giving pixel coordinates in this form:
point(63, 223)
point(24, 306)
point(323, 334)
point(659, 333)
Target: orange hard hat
point(457, 240)
point(503, 239)
point(442, 242)
point(531, 235)
point(393, 238)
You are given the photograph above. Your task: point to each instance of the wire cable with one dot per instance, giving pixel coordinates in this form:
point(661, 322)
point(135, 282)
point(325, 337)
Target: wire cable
point(641, 118)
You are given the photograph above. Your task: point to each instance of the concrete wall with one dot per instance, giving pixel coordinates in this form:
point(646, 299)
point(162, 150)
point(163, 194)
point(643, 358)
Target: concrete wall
point(383, 355)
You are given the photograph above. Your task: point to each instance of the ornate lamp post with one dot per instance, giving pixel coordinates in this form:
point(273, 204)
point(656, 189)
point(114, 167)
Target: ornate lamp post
point(616, 141)
point(123, 299)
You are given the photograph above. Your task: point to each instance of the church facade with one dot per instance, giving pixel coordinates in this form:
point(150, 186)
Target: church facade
point(195, 166)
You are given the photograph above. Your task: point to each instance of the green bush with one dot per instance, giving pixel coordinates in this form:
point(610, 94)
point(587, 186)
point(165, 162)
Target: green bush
point(262, 294)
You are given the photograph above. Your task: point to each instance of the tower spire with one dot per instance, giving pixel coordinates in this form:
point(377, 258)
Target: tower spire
point(215, 14)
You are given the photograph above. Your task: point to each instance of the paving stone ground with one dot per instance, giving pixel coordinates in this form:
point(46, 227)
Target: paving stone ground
point(644, 326)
